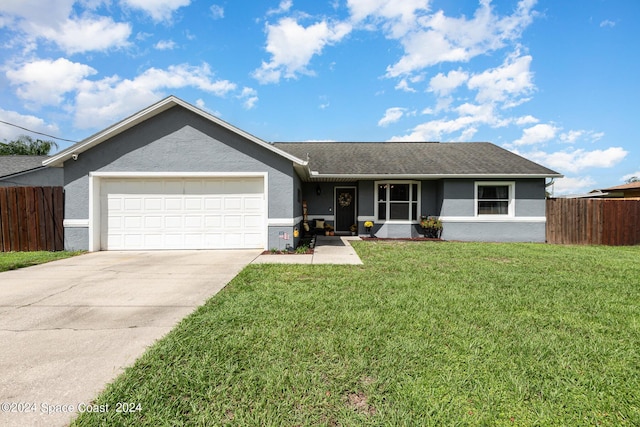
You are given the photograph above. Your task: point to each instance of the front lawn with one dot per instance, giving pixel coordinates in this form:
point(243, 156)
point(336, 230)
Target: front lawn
point(15, 260)
point(425, 333)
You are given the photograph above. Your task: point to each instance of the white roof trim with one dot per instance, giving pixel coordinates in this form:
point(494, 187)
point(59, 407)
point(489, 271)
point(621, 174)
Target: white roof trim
point(146, 114)
point(317, 175)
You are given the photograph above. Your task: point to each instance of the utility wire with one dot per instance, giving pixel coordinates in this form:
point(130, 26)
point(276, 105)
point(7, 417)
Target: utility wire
point(39, 133)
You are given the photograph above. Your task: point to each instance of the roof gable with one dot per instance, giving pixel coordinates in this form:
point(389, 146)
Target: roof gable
point(416, 159)
point(146, 114)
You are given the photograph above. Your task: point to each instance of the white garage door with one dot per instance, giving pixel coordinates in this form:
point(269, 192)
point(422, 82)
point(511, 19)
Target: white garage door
point(220, 213)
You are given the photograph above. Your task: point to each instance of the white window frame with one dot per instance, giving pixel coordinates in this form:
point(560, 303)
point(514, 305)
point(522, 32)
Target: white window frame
point(387, 202)
point(511, 201)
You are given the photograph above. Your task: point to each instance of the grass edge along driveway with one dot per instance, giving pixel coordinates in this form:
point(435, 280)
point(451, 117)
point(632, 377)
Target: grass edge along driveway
point(423, 333)
point(16, 260)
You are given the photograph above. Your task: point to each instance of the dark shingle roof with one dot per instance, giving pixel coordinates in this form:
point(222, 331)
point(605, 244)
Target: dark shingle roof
point(10, 165)
point(412, 158)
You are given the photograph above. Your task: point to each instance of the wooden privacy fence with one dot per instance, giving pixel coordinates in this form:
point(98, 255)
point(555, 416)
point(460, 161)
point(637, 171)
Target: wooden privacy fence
point(31, 219)
point(593, 221)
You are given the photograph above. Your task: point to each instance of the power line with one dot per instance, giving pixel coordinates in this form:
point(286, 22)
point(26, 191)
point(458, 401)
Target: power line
point(39, 133)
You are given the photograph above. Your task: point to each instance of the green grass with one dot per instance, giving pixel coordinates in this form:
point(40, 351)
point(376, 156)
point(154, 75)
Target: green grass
point(15, 260)
point(424, 333)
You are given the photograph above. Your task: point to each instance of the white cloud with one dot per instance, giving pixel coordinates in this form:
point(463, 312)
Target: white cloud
point(55, 12)
point(397, 17)
point(577, 160)
point(607, 23)
point(159, 10)
point(444, 39)
point(575, 135)
point(292, 47)
point(571, 136)
point(462, 128)
point(504, 83)
point(526, 120)
point(165, 45)
point(435, 129)
point(54, 22)
point(537, 134)
point(45, 82)
point(392, 115)
point(283, 7)
point(217, 12)
point(101, 102)
point(444, 84)
point(403, 85)
point(250, 97)
point(86, 34)
point(27, 121)
point(573, 186)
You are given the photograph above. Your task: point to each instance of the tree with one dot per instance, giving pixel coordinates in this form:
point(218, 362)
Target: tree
point(25, 145)
point(632, 179)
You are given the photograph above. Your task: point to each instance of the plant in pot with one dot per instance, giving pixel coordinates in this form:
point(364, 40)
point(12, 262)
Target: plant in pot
point(431, 226)
point(368, 225)
point(353, 229)
point(328, 230)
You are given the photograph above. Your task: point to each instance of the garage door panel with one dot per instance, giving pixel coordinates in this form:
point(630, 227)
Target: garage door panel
point(212, 221)
point(173, 204)
point(252, 221)
point(233, 203)
point(152, 222)
point(253, 204)
point(193, 204)
point(170, 187)
point(212, 203)
point(152, 204)
point(132, 223)
point(182, 213)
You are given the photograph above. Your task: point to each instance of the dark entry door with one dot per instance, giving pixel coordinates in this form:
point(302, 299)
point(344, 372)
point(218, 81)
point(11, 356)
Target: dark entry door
point(345, 208)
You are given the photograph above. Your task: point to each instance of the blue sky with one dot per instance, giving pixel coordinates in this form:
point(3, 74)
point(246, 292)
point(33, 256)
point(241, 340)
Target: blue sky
point(554, 81)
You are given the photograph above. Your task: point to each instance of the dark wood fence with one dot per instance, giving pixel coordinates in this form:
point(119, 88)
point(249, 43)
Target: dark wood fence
point(31, 219)
point(593, 221)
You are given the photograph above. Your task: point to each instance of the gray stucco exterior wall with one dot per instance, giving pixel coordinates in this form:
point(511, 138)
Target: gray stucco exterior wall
point(177, 140)
point(527, 224)
point(454, 201)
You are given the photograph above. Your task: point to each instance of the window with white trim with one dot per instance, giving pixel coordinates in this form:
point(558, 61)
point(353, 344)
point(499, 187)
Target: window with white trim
point(494, 198)
point(397, 200)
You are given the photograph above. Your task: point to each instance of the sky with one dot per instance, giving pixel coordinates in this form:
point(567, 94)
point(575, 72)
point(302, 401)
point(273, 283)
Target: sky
point(553, 81)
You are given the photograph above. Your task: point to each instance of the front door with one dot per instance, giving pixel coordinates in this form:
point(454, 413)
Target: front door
point(345, 208)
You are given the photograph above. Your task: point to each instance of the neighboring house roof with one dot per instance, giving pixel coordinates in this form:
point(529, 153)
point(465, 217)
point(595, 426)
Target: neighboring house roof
point(628, 186)
point(334, 160)
point(14, 164)
point(148, 113)
point(628, 190)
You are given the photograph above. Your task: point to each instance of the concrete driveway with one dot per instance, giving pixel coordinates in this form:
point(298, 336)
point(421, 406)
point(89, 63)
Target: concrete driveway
point(69, 327)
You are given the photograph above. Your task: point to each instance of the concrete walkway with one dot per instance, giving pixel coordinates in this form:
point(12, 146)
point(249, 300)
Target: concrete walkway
point(328, 250)
point(69, 327)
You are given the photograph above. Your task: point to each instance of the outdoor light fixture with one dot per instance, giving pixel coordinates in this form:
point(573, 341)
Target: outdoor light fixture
point(318, 190)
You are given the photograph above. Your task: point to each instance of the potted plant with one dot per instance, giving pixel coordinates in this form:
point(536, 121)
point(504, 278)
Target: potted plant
point(328, 230)
point(368, 225)
point(353, 229)
point(431, 226)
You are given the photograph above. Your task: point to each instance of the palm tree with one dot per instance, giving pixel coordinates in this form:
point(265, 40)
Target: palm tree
point(25, 145)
